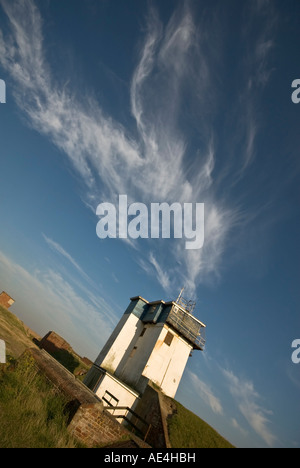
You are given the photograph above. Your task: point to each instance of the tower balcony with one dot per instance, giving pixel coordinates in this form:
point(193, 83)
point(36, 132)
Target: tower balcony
point(187, 325)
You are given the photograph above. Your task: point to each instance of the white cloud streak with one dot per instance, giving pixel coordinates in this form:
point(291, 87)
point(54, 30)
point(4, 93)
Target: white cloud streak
point(59, 249)
point(155, 165)
point(205, 392)
point(247, 400)
point(162, 276)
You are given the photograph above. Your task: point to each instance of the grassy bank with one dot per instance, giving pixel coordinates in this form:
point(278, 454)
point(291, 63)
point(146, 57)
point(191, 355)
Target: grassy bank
point(186, 430)
point(32, 411)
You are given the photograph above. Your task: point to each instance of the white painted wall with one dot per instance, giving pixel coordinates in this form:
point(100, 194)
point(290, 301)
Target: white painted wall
point(175, 369)
point(137, 359)
point(125, 395)
point(120, 343)
point(166, 364)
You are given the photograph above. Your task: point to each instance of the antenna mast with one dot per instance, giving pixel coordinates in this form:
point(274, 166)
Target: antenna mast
point(180, 294)
point(189, 306)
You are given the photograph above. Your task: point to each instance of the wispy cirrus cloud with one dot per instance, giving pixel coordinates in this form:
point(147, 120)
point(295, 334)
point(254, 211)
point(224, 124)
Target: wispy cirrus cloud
point(206, 393)
point(158, 162)
point(237, 426)
point(162, 276)
point(59, 249)
point(96, 145)
point(91, 292)
point(248, 401)
point(171, 61)
point(252, 414)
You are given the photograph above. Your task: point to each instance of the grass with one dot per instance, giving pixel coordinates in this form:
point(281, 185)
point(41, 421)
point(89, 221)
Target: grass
point(71, 362)
point(32, 411)
point(186, 430)
point(16, 336)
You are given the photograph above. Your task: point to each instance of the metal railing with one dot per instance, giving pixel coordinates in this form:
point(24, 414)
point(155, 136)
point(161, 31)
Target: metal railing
point(136, 423)
point(188, 326)
point(189, 306)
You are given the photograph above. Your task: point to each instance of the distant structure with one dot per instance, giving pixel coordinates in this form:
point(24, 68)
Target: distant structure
point(2, 352)
point(151, 343)
point(52, 343)
point(6, 300)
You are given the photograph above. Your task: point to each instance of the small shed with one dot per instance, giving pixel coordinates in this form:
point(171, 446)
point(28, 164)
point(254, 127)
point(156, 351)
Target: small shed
point(6, 300)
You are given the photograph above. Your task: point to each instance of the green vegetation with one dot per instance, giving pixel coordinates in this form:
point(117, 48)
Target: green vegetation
point(32, 411)
point(16, 336)
point(186, 430)
point(71, 361)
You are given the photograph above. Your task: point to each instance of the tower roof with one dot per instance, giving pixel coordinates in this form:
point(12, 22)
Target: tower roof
point(176, 314)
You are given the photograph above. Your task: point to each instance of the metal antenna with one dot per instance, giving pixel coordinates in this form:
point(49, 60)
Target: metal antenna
point(179, 297)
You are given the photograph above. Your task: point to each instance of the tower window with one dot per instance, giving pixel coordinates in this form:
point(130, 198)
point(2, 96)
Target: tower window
point(133, 351)
point(152, 309)
point(143, 331)
point(169, 338)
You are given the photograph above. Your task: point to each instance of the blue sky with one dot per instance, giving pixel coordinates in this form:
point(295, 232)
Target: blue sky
point(164, 101)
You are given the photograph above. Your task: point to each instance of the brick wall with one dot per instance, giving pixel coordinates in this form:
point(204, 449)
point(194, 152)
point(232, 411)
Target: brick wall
point(52, 342)
point(94, 426)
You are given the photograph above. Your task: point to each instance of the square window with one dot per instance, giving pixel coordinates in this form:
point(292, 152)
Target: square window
point(169, 338)
point(133, 352)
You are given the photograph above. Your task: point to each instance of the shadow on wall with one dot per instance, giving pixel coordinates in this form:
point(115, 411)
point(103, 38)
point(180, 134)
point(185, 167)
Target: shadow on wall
point(59, 349)
point(66, 359)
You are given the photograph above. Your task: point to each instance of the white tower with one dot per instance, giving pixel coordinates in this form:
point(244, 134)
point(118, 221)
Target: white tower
point(152, 342)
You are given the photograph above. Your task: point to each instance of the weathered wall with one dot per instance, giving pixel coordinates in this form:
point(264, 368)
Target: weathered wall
point(166, 364)
point(135, 362)
point(150, 409)
point(93, 426)
point(52, 342)
point(123, 338)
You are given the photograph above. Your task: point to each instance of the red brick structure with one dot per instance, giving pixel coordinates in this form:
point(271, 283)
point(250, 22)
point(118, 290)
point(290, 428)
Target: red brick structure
point(6, 300)
point(52, 342)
